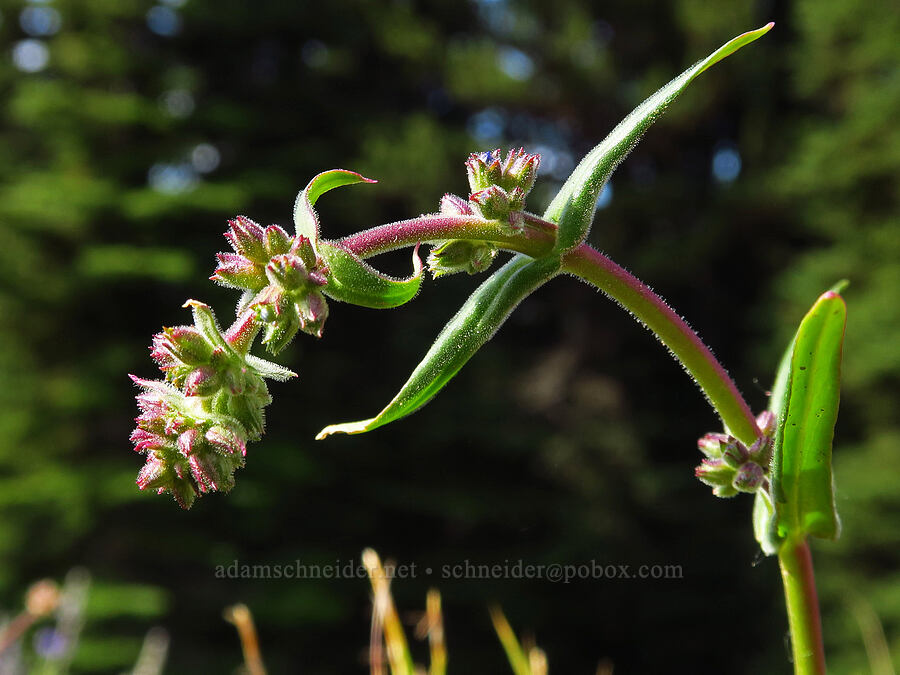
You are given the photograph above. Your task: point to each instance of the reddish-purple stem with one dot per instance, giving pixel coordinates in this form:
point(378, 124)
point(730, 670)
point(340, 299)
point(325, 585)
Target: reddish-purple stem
point(532, 240)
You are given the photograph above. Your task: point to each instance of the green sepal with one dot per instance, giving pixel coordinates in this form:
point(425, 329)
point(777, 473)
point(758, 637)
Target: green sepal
point(205, 322)
point(270, 370)
point(573, 206)
point(305, 219)
point(472, 326)
point(351, 279)
point(808, 391)
point(765, 526)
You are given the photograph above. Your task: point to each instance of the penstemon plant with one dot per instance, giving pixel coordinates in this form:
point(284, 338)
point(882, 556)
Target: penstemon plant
point(195, 424)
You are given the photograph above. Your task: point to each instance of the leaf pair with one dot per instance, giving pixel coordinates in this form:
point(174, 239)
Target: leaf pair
point(572, 210)
point(805, 400)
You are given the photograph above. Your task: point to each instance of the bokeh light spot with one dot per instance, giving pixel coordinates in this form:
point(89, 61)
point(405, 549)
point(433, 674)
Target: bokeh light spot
point(30, 56)
point(163, 21)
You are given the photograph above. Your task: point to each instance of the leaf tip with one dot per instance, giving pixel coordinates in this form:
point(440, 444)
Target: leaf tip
point(346, 428)
point(362, 178)
point(840, 286)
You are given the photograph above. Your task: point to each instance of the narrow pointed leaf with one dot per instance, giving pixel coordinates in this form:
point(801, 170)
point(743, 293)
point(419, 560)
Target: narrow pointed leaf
point(474, 324)
point(305, 219)
point(801, 473)
point(573, 207)
point(351, 279)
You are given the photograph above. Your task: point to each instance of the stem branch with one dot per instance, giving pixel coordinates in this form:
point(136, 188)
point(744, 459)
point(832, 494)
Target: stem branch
point(802, 607)
point(535, 239)
point(592, 266)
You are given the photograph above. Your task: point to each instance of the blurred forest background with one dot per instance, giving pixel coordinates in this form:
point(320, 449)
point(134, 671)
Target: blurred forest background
point(131, 131)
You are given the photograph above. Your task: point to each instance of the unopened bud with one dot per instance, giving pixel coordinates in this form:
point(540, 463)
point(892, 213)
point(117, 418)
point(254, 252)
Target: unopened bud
point(238, 272)
point(483, 169)
point(247, 239)
point(766, 422)
point(181, 345)
point(718, 475)
point(277, 241)
point(451, 205)
point(711, 444)
point(226, 441)
point(287, 271)
point(520, 170)
point(761, 451)
point(188, 441)
point(202, 381)
point(749, 477)
point(492, 202)
point(735, 453)
point(282, 323)
point(313, 310)
point(211, 472)
point(304, 248)
point(460, 255)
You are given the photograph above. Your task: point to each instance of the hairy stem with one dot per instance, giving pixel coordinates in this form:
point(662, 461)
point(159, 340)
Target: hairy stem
point(535, 239)
point(630, 292)
point(802, 603)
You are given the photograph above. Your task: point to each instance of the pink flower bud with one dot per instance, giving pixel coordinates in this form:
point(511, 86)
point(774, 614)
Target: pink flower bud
point(188, 442)
point(226, 441)
point(718, 475)
point(766, 422)
point(152, 474)
point(313, 310)
point(247, 239)
point(201, 381)
point(287, 271)
point(451, 205)
point(238, 272)
point(145, 440)
point(749, 477)
point(520, 168)
point(179, 346)
point(711, 444)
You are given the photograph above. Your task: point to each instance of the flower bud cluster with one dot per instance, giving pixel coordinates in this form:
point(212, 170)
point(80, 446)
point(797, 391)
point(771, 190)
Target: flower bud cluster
point(459, 255)
point(499, 186)
point(730, 466)
point(194, 426)
point(189, 450)
point(281, 277)
point(498, 190)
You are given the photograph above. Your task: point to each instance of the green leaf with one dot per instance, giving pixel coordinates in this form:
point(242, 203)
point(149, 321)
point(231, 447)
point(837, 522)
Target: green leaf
point(808, 390)
point(472, 326)
point(305, 219)
point(350, 279)
point(574, 205)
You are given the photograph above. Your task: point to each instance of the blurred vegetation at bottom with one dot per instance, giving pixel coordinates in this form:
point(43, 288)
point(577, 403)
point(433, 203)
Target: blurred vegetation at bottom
point(569, 438)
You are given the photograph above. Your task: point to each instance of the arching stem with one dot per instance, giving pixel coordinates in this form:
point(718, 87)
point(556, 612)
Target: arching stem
point(647, 307)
